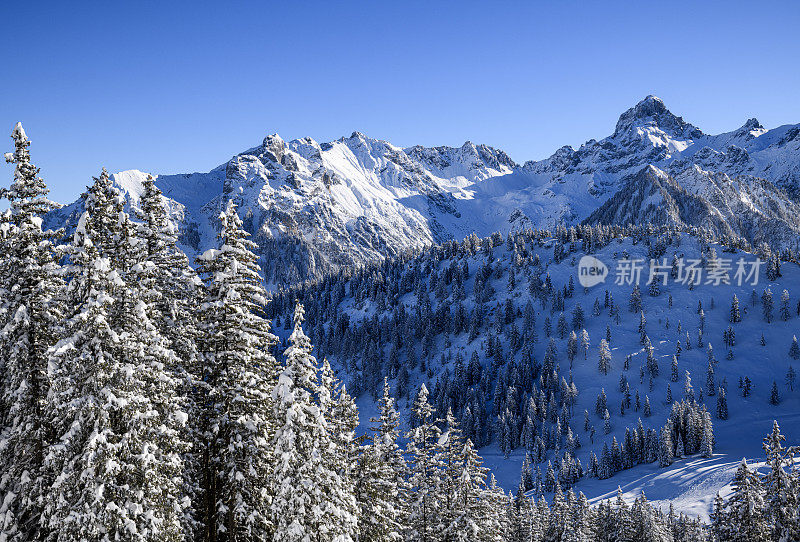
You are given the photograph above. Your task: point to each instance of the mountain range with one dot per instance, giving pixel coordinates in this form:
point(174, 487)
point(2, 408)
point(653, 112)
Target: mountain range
point(314, 207)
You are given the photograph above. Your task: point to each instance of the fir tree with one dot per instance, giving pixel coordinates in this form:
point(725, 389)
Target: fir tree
point(744, 510)
point(774, 395)
point(604, 365)
point(794, 349)
point(309, 497)
point(31, 318)
point(782, 487)
point(239, 373)
point(116, 467)
point(735, 316)
point(722, 405)
point(380, 487)
point(424, 470)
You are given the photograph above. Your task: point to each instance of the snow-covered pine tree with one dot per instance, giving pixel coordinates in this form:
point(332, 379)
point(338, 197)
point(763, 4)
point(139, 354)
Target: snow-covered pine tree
point(496, 524)
point(794, 349)
point(343, 448)
point(115, 468)
point(305, 488)
point(604, 364)
point(735, 316)
point(32, 315)
point(425, 471)
point(774, 395)
point(239, 372)
point(173, 292)
point(782, 487)
point(744, 510)
point(380, 486)
point(722, 404)
point(451, 448)
point(665, 450)
point(473, 522)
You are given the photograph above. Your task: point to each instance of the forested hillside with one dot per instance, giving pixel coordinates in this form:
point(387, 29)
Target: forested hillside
point(570, 382)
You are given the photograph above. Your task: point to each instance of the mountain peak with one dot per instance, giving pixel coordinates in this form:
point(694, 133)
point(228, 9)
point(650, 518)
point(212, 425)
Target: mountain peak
point(753, 124)
point(652, 112)
point(751, 128)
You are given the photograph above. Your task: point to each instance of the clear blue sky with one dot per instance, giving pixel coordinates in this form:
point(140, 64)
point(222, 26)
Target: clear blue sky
point(173, 87)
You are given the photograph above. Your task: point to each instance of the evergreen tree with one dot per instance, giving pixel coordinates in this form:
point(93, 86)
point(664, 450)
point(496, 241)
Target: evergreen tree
point(239, 372)
point(450, 456)
point(722, 405)
point(774, 396)
point(474, 517)
point(604, 364)
point(782, 487)
point(309, 497)
point(31, 316)
point(744, 510)
point(791, 376)
point(794, 350)
point(115, 469)
point(735, 316)
point(424, 470)
point(665, 451)
point(380, 488)
point(767, 304)
point(172, 291)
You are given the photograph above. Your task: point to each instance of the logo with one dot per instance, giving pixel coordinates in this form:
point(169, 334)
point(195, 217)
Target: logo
point(591, 271)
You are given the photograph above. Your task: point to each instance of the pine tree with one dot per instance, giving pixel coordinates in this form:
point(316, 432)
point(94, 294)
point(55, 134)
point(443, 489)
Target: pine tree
point(665, 451)
point(710, 385)
point(719, 521)
point(767, 304)
point(380, 487)
point(585, 342)
point(735, 316)
point(744, 509)
point(688, 390)
point(572, 346)
point(635, 302)
point(774, 396)
point(309, 497)
point(794, 350)
point(424, 470)
point(604, 364)
point(786, 312)
point(450, 456)
point(474, 518)
point(791, 376)
point(707, 442)
point(172, 291)
point(722, 405)
point(343, 451)
point(239, 372)
point(782, 487)
point(31, 315)
point(116, 467)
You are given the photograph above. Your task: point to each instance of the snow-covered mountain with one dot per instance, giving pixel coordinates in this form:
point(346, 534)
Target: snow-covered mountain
point(744, 206)
point(314, 207)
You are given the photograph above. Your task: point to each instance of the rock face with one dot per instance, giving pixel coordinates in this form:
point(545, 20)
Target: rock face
point(315, 207)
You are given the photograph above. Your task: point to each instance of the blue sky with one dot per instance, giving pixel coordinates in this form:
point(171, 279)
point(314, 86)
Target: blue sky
point(173, 87)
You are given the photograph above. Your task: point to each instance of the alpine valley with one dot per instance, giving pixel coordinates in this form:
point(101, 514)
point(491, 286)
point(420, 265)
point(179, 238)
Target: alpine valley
point(451, 275)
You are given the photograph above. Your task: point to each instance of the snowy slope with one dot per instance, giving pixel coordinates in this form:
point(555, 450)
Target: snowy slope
point(315, 207)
